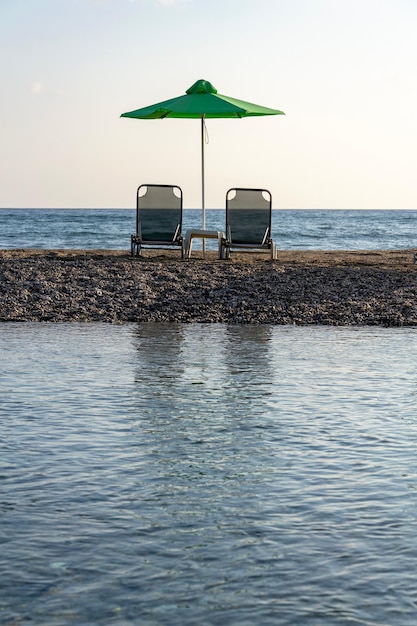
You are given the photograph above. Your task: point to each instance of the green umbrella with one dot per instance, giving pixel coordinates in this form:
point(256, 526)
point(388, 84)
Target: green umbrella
point(201, 100)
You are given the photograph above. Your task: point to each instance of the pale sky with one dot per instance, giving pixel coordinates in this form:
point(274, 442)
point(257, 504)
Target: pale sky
point(344, 72)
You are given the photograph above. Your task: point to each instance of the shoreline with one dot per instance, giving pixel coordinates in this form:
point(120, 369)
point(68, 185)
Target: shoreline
point(339, 288)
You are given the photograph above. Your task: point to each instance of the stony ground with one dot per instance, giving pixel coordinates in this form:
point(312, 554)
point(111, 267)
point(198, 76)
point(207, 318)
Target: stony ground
point(338, 288)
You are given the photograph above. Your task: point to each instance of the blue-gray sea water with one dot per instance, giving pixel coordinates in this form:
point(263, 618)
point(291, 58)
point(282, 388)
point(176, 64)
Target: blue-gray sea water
point(292, 229)
point(186, 475)
point(190, 474)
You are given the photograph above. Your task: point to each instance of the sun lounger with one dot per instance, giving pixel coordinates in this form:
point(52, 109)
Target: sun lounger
point(248, 222)
point(159, 211)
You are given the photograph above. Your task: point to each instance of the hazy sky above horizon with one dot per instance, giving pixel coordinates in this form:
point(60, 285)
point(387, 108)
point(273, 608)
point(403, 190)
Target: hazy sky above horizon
point(344, 72)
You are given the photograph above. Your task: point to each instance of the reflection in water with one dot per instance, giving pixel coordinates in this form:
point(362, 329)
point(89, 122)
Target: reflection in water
point(158, 351)
point(197, 405)
point(172, 364)
point(184, 363)
point(248, 361)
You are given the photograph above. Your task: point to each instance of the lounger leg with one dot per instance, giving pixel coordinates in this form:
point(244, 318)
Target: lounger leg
point(219, 245)
point(134, 246)
point(189, 247)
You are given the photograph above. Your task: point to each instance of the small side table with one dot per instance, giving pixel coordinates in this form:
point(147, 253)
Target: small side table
point(202, 234)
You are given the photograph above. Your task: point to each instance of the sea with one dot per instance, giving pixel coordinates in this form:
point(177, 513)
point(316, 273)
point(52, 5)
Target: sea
point(207, 474)
point(292, 229)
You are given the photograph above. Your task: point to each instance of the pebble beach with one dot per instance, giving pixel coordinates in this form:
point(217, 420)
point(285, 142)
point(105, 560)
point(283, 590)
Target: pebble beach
point(301, 287)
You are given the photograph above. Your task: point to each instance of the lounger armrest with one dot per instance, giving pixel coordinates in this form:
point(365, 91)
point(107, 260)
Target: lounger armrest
point(177, 232)
point(265, 238)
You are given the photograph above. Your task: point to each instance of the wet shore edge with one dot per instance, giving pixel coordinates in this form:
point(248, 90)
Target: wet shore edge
point(339, 288)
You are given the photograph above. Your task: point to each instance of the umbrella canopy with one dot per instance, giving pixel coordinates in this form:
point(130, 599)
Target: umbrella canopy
point(202, 101)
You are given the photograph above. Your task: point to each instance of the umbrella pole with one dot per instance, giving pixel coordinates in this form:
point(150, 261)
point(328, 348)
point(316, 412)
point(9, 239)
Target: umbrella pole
point(202, 185)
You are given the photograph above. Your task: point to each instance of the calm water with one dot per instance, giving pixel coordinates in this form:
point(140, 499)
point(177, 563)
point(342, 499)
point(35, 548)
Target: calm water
point(191, 474)
point(292, 229)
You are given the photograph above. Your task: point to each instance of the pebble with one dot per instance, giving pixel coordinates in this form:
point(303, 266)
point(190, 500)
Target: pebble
point(46, 286)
